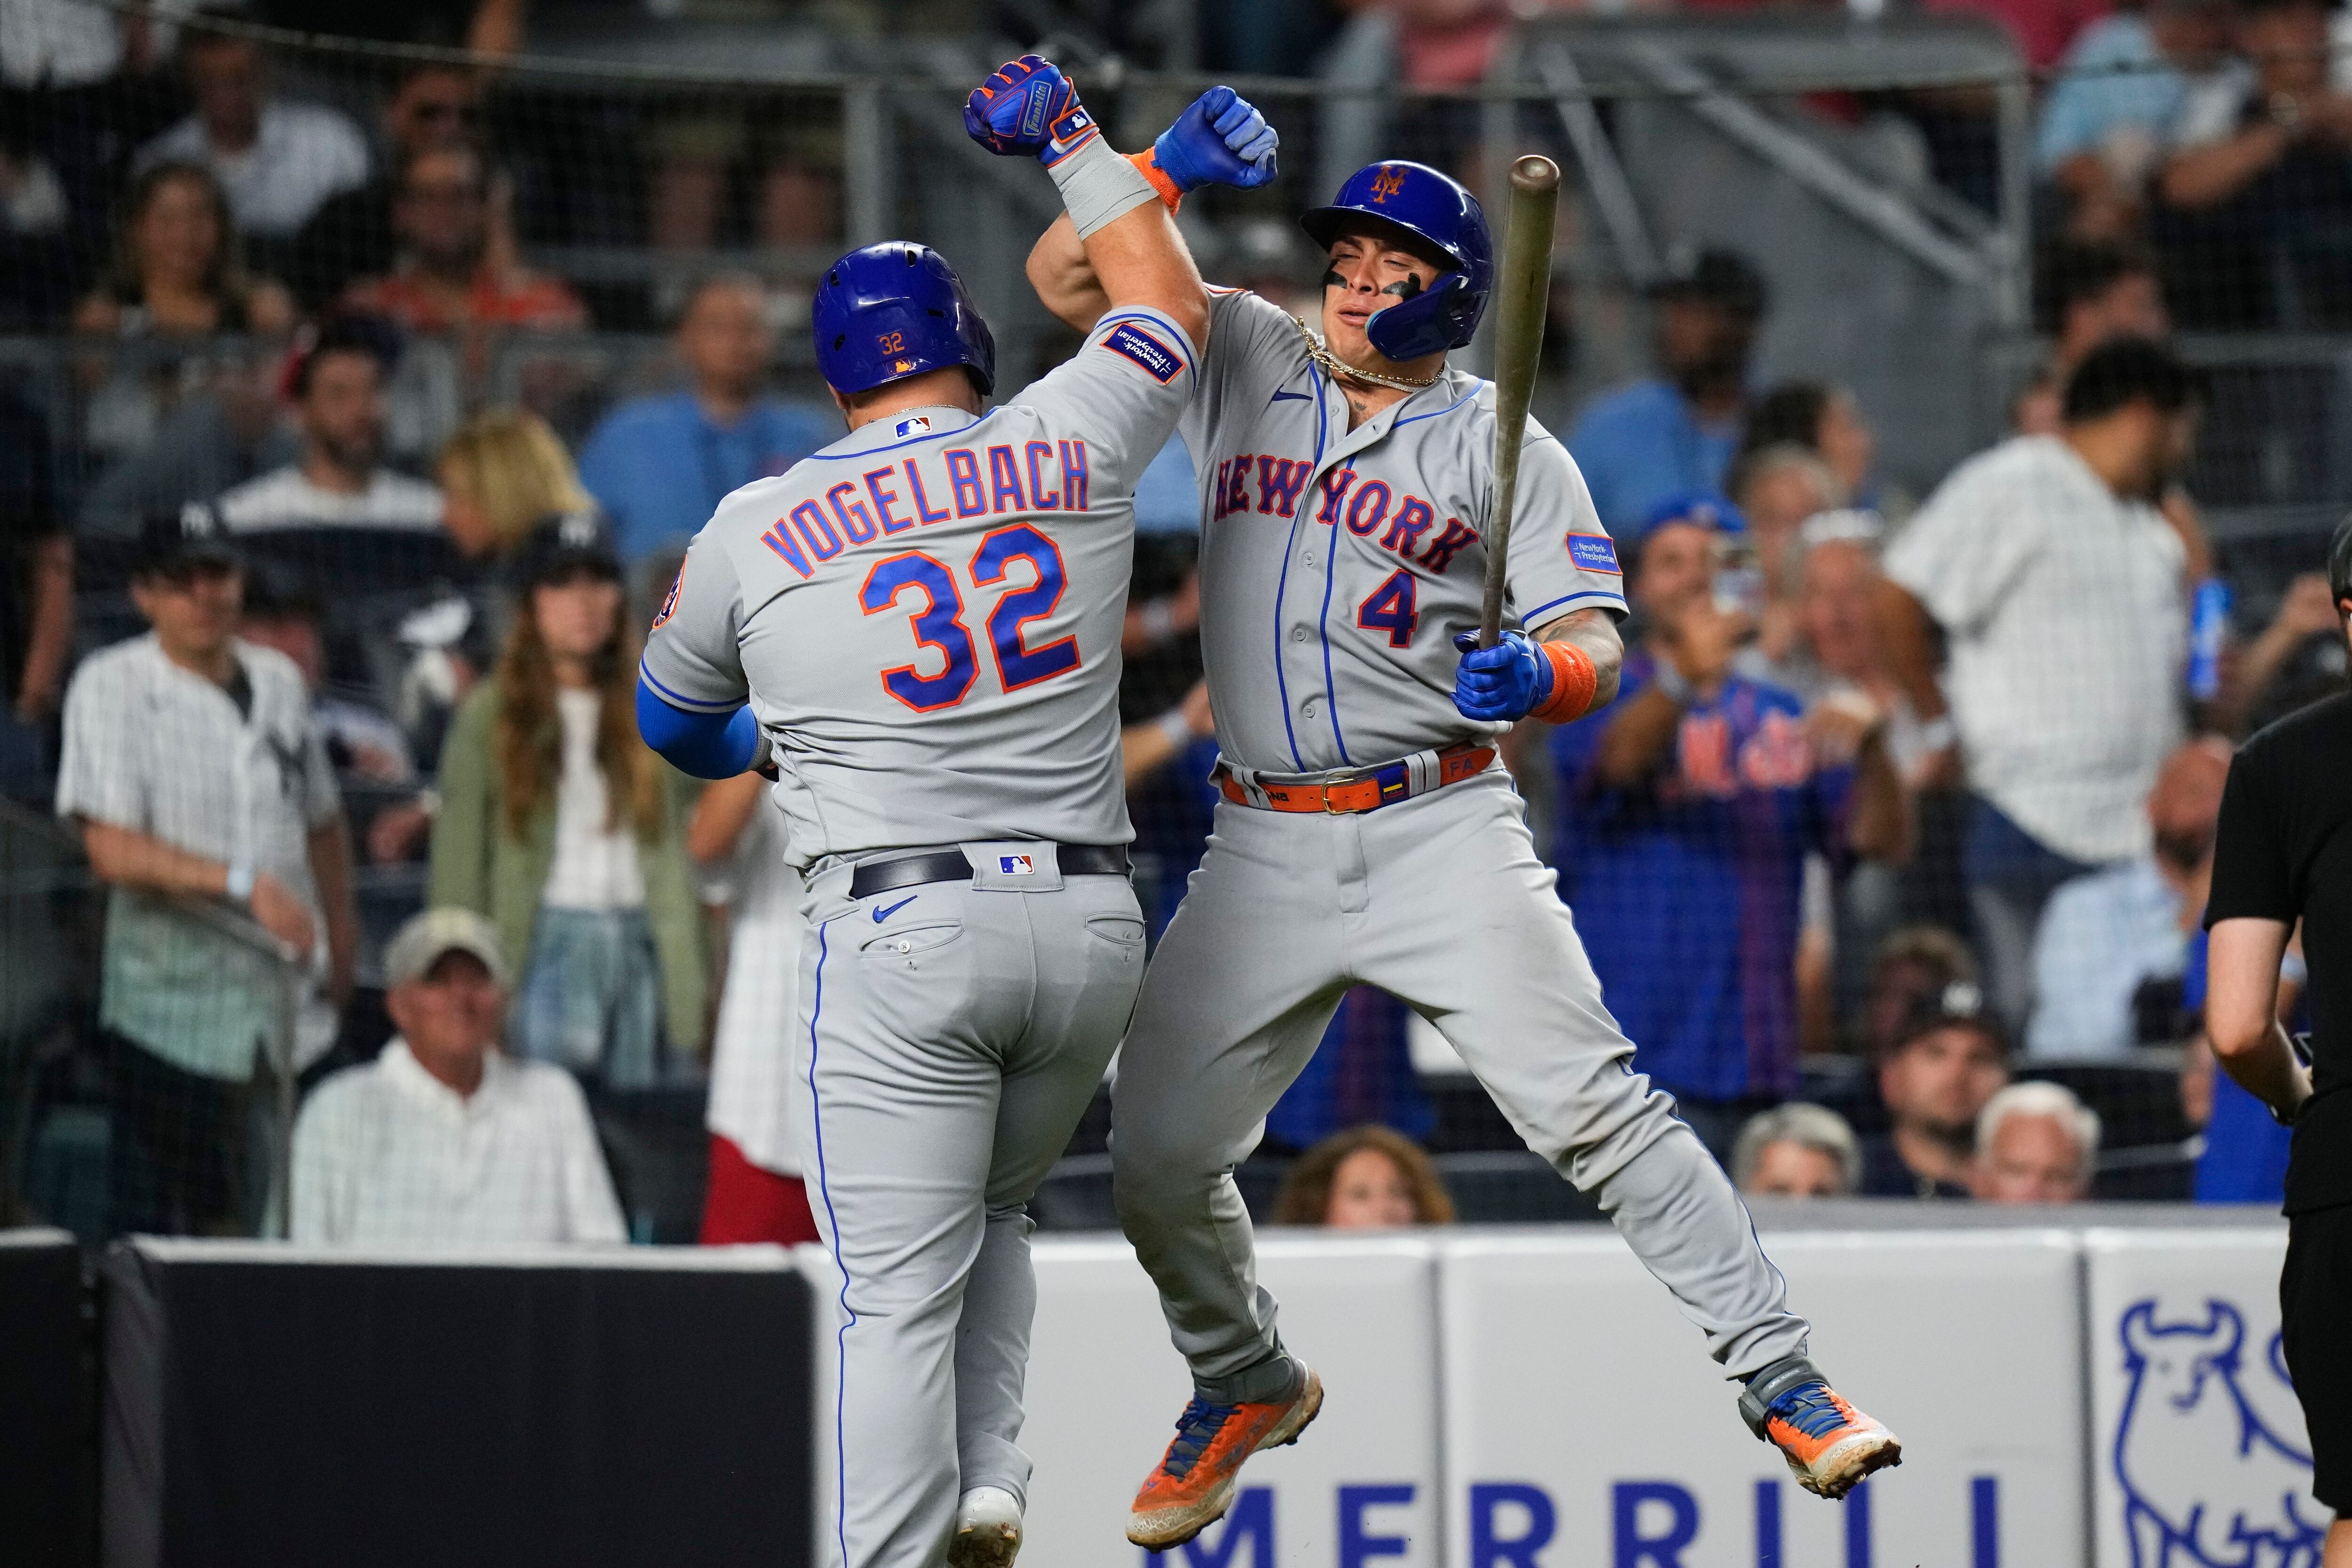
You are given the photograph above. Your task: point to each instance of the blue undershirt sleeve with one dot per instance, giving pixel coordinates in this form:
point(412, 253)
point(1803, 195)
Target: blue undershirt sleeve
point(702, 745)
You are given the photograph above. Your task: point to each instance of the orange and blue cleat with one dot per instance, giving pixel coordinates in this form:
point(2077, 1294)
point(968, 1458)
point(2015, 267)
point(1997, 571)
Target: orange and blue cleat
point(1193, 1484)
point(1829, 1443)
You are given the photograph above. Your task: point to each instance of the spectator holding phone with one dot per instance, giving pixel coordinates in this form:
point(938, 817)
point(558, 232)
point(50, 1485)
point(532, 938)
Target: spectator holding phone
point(1688, 811)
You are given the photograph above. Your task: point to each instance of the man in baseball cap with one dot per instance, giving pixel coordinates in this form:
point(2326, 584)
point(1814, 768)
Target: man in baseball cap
point(426, 938)
point(178, 547)
point(192, 770)
point(1675, 432)
point(1949, 1060)
point(444, 1140)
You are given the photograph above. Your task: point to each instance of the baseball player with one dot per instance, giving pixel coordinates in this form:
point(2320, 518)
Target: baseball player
point(1366, 836)
point(919, 628)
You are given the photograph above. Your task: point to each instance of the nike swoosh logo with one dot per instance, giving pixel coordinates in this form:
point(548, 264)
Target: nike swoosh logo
point(882, 914)
point(1290, 397)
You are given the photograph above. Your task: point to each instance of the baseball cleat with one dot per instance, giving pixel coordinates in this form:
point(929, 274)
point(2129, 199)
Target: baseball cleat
point(1829, 1443)
point(1193, 1483)
point(987, 1529)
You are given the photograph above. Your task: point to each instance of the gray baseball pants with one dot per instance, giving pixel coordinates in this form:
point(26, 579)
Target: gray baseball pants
point(1440, 901)
point(950, 1035)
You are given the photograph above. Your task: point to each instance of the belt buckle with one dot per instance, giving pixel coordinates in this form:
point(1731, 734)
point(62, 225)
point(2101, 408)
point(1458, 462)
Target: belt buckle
point(1340, 779)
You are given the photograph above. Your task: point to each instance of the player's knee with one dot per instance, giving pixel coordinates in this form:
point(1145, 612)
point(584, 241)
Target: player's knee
point(1146, 1173)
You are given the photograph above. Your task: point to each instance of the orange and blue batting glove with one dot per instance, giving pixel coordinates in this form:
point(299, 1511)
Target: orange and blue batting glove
point(1028, 106)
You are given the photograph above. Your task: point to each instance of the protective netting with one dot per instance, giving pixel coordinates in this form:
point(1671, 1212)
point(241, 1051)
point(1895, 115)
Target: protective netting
point(372, 309)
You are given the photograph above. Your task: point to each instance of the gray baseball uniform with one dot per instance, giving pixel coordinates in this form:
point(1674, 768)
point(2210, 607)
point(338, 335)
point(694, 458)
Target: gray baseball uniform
point(1335, 566)
point(925, 617)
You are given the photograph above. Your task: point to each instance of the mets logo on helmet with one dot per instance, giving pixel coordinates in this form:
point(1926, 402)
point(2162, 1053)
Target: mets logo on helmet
point(1387, 184)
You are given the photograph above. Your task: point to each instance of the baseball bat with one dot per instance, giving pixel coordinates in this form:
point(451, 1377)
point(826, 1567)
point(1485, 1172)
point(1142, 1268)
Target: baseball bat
point(1525, 290)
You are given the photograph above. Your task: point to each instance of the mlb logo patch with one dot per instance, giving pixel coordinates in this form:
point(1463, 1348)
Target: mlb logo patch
point(1160, 362)
point(1016, 865)
point(920, 425)
point(1594, 552)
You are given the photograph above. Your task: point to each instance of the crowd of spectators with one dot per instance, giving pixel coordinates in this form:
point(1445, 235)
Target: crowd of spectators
point(1907, 805)
point(1819, 675)
point(2218, 132)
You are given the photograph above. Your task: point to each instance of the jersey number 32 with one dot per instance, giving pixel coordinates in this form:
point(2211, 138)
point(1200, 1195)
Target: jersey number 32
point(939, 622)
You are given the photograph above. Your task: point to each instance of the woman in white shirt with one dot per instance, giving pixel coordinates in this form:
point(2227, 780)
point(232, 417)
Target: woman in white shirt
point(559, 825)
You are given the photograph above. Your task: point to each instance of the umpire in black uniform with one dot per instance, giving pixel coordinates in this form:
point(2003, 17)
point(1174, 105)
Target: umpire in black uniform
point(2284, 855)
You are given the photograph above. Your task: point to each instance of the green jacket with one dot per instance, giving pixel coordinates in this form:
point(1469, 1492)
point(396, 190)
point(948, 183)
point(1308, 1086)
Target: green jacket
point(478, 864)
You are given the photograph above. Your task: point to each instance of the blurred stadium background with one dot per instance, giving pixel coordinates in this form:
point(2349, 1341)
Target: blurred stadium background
point(1908, 221)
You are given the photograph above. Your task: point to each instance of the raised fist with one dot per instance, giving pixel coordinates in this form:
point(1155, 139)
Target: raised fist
point(1028, 106)
point(1220, 139)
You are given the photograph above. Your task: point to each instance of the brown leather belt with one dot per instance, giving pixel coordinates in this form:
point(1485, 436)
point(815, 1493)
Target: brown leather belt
point(1362, 790)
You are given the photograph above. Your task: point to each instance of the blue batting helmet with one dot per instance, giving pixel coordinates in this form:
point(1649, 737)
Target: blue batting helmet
point(1431, 210)
point(897, 309)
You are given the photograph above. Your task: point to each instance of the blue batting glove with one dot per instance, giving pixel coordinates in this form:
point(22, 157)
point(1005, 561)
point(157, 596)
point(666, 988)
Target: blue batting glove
point(1501, 684)
point(1028, 106)
point(1220, 139)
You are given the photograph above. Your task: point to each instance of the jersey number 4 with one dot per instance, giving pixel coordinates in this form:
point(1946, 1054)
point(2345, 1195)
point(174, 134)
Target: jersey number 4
point(1394, 608)
point(939, 624)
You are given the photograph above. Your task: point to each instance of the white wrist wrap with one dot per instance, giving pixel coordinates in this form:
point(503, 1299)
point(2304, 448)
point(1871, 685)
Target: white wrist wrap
point(1098, 186)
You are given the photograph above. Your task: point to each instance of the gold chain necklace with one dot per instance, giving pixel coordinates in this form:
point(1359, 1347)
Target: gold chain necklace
point(1333, 365)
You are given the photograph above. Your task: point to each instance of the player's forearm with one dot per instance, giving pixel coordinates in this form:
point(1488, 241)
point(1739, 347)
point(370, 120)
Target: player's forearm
point(1139, 258)
point(1594, 632)
point(1064, 279)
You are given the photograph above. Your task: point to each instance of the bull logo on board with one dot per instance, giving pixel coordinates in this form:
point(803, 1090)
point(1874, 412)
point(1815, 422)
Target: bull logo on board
point(2208, 1480)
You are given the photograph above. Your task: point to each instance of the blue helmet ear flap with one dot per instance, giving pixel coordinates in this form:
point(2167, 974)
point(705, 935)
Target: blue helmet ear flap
point(1442, 315)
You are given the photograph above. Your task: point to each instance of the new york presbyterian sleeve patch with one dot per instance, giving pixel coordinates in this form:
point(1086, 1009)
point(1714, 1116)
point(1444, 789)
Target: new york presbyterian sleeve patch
point(1158, 360)
point(1594, 552)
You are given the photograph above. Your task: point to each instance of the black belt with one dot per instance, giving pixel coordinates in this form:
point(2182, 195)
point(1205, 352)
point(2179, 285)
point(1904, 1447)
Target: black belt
point(949, 865)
